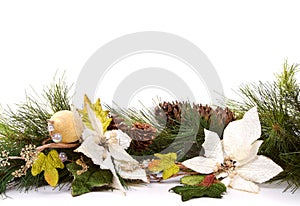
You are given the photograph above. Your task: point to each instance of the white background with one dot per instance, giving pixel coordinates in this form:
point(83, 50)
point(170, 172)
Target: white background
point(245, 40)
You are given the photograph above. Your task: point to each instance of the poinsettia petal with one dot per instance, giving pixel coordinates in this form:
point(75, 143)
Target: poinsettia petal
point(95, 122)
point(249, 154)
point(108, 164)
point(91, 149)
point(238, 183)
point(226, 181)
point(212, 146)
point(240, 134)
point(259, 170)
point(123, 139)
point(125, 165)
point(87, 133)
point(222, 175)
point(201, 164)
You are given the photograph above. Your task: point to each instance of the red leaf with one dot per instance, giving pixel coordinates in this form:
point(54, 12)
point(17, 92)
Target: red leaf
point(208, 180)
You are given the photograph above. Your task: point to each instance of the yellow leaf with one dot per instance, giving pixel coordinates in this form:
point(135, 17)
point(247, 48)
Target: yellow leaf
point(167, 173)
point(38, 165)
point(165, 163)
point(53, 160)
point(51, 176)
point(48, 164)
point(101, 114)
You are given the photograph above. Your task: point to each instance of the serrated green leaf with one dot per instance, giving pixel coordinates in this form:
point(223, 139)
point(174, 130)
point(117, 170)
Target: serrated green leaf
point(188, 192)
point(165, 163)
point(192, 179)
point(101, 114)
point(48, 164)
point(85, 182)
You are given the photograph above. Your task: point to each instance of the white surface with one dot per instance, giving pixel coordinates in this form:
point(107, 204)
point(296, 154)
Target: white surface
point(153, 194)
point(245, 41)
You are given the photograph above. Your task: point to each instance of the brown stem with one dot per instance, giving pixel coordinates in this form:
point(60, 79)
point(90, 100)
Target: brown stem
point(46, 140)
point(182, 167)
point(15, 158)
point(159, 179)
point(56, 145)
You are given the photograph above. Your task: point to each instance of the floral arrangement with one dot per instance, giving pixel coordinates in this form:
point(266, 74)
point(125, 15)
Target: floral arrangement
point(213, 149)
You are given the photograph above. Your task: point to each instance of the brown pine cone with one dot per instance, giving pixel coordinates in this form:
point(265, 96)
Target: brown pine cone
point(171, 113)
point(142, 135)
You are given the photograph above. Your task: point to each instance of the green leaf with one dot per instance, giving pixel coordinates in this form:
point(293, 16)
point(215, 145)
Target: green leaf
point(192, 180)
point(101, 114)
point(92, 178)
point(48, 164)
point(165, 163)
point(188, 192)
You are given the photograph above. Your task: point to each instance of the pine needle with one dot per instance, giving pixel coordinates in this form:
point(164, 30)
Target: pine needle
point(279, 111)
point(28, 125)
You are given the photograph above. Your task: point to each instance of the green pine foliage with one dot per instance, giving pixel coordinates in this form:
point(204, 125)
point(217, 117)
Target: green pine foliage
point(27, 124)
point(279, 111)
point(184, 138)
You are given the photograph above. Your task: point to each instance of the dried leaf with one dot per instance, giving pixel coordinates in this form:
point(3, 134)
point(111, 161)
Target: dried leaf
point(87, 181)
point(209, 180)
point(48, 164)
point(166, 163)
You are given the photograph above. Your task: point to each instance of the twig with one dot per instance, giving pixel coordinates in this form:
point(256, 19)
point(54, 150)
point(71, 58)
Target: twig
point(56, 145)
point(159, 179)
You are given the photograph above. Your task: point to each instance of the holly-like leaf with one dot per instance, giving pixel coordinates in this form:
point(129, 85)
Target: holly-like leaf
point(188, 192)
point(48, 164)
point(101, 114)
point(192, 180)
point(91, 179)
point(166, 164)
point(196, 186)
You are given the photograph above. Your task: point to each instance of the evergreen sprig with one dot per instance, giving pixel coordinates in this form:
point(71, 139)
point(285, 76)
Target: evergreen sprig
point(184, 137)
point(279, 111)
point(27, 124)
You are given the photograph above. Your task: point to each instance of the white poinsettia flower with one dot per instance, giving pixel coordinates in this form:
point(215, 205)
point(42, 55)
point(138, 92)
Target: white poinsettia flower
point(235, 159)
point(107, 149)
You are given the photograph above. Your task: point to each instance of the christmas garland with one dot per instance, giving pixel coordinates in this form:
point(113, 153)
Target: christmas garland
point(49, 142)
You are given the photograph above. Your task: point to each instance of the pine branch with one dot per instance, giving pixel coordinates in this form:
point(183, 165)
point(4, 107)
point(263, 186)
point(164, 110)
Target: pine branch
point(28, 125)
point(279, 112)
point(182, 133)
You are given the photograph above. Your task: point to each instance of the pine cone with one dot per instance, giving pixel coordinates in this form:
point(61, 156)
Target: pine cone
point(218, 116)
point(142, 135)
point(118, 123)
point(169, 112)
